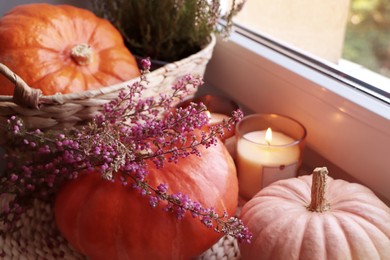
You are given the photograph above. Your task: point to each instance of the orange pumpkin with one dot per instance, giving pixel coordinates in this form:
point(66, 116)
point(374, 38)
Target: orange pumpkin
point(293, 219)
point(61, 48)
point(106, 220)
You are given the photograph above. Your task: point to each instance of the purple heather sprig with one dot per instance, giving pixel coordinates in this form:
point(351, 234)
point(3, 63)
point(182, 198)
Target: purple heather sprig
point(130, 130)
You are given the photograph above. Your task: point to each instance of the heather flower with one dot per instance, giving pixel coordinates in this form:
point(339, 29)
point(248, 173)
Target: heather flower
point(130, 131)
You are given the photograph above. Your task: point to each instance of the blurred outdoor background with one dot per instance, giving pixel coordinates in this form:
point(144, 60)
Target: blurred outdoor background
point(367, 36)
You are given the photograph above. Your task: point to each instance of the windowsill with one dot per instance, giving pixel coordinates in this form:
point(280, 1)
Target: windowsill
point(311, 158)
point(347, 129)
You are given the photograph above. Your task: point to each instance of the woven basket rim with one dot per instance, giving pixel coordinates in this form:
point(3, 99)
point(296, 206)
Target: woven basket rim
point(62, 111)
point(62, 98)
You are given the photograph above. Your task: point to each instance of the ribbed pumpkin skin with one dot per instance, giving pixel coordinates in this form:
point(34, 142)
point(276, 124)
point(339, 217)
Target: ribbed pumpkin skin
point(36, 42)
point(105, 220)
point(357, 226)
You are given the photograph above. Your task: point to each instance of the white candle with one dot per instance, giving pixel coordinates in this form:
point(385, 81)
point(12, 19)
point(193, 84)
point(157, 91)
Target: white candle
point(261, 162)
point(217, 118)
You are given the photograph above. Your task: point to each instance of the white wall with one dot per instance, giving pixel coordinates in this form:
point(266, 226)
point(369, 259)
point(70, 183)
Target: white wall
point(316, 26)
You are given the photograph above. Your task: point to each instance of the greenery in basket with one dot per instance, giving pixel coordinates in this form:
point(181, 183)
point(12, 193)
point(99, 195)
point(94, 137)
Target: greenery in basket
point(167, 30)
point(119, 140)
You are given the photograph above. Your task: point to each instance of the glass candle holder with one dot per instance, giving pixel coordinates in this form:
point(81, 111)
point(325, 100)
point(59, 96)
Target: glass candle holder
point(219, 108)
point(269, 147)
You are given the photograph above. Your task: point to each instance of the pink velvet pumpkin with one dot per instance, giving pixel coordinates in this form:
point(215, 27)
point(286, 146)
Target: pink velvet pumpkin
point(292, 219)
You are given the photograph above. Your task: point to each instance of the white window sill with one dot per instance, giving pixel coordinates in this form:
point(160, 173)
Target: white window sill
point(347, 128)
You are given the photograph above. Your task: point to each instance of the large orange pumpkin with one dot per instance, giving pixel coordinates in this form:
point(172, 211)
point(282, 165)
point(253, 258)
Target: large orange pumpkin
point(294, 219)
point(61, 48)
point(106, 220)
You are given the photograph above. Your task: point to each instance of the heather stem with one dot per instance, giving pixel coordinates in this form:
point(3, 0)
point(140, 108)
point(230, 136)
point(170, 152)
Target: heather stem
point(318, 190)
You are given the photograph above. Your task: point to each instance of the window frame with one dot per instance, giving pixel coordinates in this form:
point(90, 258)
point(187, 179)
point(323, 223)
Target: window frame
point(326, 68)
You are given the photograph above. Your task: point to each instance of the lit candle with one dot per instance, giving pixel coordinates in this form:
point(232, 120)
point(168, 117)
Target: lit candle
point(264, 157)
point(216, 118)
point(219, 108)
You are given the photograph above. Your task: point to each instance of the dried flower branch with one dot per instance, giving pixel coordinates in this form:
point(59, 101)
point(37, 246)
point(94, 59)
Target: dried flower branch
point(130, 131)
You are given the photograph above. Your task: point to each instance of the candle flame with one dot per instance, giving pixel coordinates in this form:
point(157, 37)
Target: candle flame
point(208, 114)
point(268, 136)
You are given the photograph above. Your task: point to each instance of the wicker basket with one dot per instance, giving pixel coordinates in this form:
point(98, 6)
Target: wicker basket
point(62, 111)
point(38, 236)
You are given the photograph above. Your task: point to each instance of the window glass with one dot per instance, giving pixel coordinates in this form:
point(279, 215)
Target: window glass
point(367, 38)
point(353, 35)
point(314, 26)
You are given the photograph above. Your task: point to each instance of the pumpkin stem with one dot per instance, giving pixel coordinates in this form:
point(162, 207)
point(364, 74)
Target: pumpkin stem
point(318, 189)
point(82, 54)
